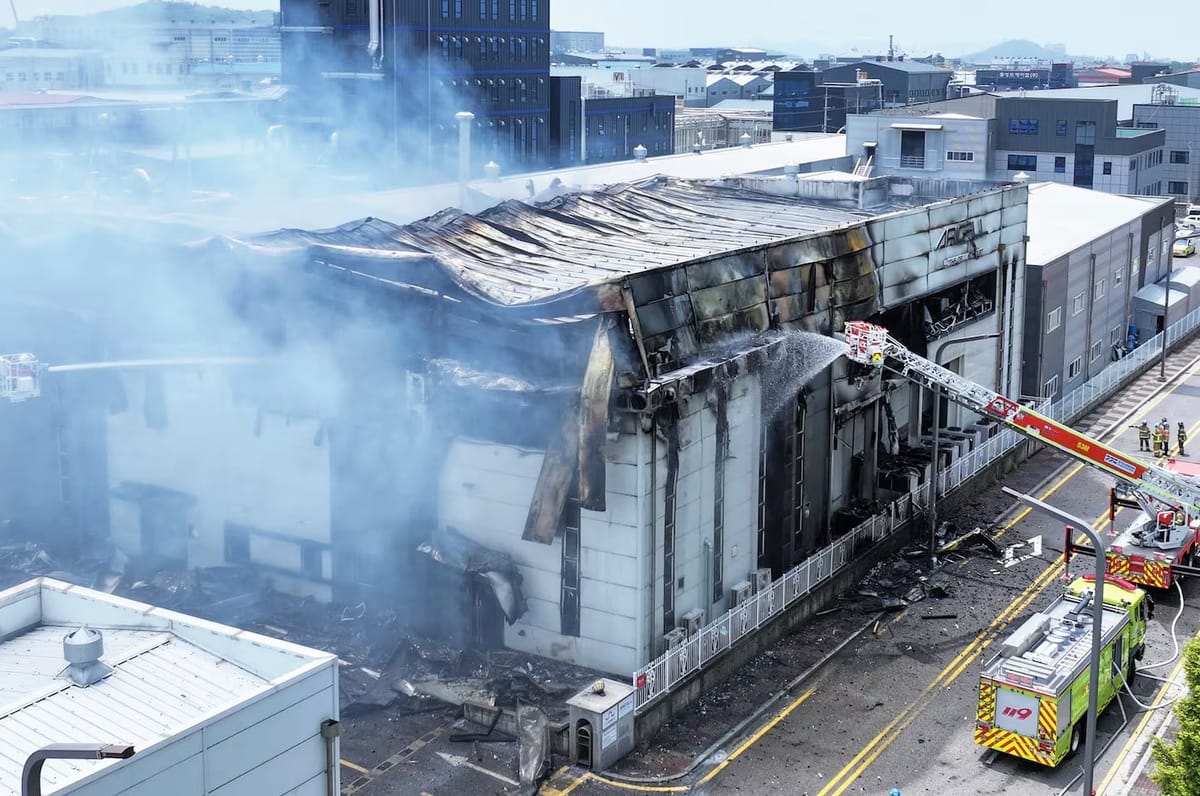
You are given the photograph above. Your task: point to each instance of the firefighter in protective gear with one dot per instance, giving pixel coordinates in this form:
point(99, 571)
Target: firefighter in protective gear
point(1143, 430)
point(1181, 437)
point(1160, 441)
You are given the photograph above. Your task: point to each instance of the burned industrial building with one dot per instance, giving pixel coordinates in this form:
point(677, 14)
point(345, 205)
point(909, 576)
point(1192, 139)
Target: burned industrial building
point(566, 428)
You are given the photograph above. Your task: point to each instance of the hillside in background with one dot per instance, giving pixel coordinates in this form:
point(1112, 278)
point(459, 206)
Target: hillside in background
point(1014, 48)
point(160, 10)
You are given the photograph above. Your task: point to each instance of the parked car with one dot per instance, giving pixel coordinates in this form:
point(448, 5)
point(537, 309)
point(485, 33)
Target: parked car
point(1183, 248)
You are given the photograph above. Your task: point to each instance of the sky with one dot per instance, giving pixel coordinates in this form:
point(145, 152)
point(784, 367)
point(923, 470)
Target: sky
point(921, 27)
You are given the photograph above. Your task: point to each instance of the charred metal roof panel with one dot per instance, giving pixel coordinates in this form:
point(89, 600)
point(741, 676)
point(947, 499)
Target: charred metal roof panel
point(517, 253)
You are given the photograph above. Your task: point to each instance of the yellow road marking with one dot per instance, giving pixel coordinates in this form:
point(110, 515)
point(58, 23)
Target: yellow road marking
point(354, 767)
point(952, 671)
point(753, 739)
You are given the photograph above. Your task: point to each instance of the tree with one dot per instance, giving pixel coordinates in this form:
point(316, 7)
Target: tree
point(1177, 765)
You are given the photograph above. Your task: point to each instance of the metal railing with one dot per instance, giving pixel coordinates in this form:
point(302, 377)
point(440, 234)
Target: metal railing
point(912, 161)
point(657, 678)
point(719, 635)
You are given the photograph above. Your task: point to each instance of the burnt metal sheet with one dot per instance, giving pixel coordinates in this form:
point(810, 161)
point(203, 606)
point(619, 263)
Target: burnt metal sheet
point(665, 314)
point(595, 395)
point(711, 273)
point(554, 480)
point(724, 299)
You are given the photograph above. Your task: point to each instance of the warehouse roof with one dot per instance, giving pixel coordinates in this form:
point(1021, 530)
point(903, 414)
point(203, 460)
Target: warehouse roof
point(169, 673)
point(517, 253)
point(1063, 218)
point(912, 67)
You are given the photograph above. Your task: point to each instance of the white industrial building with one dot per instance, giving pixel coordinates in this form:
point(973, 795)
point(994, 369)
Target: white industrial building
point(207, 709)
point(565, 428)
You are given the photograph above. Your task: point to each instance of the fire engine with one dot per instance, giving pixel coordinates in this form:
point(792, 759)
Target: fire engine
point(1158, 547)
point(1033, 692)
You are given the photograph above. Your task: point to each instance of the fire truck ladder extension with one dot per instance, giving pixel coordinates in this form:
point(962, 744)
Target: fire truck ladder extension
point(868, 342)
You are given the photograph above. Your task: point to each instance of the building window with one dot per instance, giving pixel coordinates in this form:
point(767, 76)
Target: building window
point(1077, 305)
point(512, 10)
point(1060, 164)
point(1178, 188)
point(1099, 294)
point(1023, 126)
point(1118, 275)
point(458, 9)
point(1114, 336)
point(1053, 319)
point(483, 9)
point(1147, 125)
point(967, 157)
point(445, 9)
point(1181, 156)
point(1075, 368)
point(1132, 165)
point(1094, 353)
point(312, 560)
point(1022, 162)
point(1106, 167)
point(1060, 127)
point(533, 10)
point(495, 9)
point(237, 545)
point(1050, 388)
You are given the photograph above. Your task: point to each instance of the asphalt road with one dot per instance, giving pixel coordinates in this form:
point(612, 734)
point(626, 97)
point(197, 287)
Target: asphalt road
point(897, 710)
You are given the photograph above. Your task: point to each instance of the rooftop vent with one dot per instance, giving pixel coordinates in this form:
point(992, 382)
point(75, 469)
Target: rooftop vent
point(745, 140)
point(639, 152)
point(82, 648)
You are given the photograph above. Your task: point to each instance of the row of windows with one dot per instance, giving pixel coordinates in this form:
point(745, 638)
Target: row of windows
point(20, 76)
point(961, 156)
point(499, 89)
point(1030, 163)
point(525, 10)
point(524, 46)
point(1099, 290)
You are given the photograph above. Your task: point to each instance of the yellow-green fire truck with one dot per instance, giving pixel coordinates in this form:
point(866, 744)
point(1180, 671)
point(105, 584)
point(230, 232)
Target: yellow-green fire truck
point(1033, 692)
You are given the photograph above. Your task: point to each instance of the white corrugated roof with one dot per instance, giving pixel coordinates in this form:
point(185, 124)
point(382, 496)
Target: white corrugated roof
point(170, 673)
point(1062, 217)
point(405, 205)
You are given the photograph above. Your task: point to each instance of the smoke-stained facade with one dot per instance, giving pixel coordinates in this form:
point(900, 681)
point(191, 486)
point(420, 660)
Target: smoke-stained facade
point(389, 75)
point(562, 428)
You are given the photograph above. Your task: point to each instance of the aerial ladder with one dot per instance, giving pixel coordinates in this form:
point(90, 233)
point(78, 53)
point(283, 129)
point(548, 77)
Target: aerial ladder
point(1160, 544)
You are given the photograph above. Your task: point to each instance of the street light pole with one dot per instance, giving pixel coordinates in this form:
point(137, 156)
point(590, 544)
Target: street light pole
point(931, 513)
point(1071, 520)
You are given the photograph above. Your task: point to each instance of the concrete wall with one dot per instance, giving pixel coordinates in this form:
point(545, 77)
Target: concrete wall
point(263, 471)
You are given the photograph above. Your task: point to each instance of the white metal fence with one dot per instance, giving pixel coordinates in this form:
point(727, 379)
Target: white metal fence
point(661, 675)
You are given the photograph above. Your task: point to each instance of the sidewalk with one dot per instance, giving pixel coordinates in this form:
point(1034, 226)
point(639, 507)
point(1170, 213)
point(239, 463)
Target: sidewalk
point(1133, 778)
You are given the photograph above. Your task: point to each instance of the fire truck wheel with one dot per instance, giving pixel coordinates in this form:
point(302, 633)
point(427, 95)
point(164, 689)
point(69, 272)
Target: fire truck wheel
point(1076, 738)
point(1131, 671)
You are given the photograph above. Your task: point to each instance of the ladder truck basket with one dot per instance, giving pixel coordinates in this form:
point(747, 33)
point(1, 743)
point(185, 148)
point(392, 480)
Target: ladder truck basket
point(867, 342)
point(19, 377)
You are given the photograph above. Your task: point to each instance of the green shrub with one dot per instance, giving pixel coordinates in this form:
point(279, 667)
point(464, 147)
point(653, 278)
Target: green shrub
point(1177, 765)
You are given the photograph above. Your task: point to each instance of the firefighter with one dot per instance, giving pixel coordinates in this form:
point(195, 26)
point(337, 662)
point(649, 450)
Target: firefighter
point(1160, 441)
point(1181, 437)
point(1143, 430)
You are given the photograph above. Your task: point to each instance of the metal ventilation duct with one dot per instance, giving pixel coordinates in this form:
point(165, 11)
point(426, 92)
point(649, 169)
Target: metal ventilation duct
point(83, 648)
